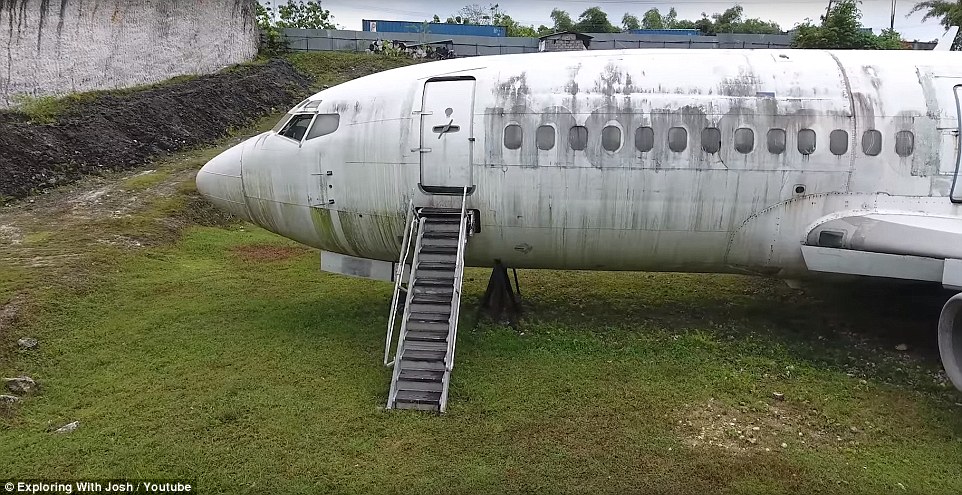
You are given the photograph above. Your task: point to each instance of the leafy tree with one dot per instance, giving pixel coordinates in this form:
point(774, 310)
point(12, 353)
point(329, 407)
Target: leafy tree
point(491, 16)
point(303, 14)
point(629, 22)
point(652, 20)
point(949, 14)
point(594, 20)
point(562, 21)
point(842, 29)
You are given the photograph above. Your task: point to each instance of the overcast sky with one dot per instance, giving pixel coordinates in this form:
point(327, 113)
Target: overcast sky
point(787, 13)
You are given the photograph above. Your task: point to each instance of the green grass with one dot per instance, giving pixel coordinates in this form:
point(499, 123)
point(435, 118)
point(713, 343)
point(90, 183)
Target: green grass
point(332, 68)
point(251, 376)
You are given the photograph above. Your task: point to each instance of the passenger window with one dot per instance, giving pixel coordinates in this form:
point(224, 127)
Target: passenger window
point(644, 139)
point(677, 139)
point(776, 141)
point(545, 137)
point(744, 140)
point(324, 124)
point(578, 138)
point(513, 136)
point(806, 141)
point(838, 142)
point(711, 139)
point(872, 142)
point(611, 138)
point(904, 143)
point(297, 126)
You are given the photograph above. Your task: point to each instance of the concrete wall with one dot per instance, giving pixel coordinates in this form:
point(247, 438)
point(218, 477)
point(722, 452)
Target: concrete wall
point(53, 47)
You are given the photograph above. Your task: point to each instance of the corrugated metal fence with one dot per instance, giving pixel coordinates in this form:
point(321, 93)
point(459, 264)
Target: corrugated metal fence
point(469, 46)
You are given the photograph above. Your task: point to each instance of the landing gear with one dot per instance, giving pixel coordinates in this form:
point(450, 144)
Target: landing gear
point(501, 301)
point(950, 340)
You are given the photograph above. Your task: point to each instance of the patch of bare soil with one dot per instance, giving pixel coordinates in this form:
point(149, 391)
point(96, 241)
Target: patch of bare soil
point(266, 253)
point(120, 130)
point(777, 426)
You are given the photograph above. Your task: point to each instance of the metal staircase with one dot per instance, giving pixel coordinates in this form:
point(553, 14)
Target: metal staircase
point(424, 356)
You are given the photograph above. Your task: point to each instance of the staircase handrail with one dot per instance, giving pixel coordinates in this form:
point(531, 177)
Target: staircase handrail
point(398, 275)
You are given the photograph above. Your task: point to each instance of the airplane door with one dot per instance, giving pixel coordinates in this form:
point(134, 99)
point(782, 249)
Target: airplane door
point(447, 137)
point(956, 194)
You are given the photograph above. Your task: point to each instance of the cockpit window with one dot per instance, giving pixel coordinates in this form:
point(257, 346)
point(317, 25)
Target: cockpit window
point(281, 123)
point(324, 124)
point(297, 126)
point(312, 105)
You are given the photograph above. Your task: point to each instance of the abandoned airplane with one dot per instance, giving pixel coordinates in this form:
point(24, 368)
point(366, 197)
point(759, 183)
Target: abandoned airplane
point(786, 163)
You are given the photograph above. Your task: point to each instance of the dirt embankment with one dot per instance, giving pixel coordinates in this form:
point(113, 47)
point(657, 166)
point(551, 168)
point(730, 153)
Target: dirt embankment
point(125, 129)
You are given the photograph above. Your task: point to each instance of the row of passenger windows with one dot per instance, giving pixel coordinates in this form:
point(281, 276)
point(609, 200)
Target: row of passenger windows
point(711, 140)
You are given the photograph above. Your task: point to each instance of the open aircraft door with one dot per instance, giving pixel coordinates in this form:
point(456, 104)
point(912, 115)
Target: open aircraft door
point(956, 193)
point(447, 135)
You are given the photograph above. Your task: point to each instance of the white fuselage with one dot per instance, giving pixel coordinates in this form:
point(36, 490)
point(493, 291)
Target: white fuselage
point(668, 160)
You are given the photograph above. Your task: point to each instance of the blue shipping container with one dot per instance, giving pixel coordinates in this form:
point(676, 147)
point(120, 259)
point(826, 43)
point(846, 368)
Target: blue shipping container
point(379, 26)
point(679, 32)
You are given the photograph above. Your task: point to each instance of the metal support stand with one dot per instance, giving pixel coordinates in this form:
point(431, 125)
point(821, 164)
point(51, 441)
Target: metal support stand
point(501, 302)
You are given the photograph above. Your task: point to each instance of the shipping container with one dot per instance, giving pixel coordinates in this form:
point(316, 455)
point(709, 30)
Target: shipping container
point(380, 26)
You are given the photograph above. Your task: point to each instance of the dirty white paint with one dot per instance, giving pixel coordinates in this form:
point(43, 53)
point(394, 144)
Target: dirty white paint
point(742, 158)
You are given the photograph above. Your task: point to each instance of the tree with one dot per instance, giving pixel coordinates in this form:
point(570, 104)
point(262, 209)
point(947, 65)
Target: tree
point(492, 16)
point(562, 21)
point(594, 20)
point(303, 14)
point(842, 29)
point(948, 13)
point(652, 20)
point(629, 22)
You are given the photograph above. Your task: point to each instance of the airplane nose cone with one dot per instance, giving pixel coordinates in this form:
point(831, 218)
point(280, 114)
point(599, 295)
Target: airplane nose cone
point(220, 182)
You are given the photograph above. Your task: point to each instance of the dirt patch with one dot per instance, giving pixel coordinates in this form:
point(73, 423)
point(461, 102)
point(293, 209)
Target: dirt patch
point(773, 427)
point(267, 252)
point(125, 129)
point(9, 313)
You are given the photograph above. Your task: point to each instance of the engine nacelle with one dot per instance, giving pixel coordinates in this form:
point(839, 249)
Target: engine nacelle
point(950, 339)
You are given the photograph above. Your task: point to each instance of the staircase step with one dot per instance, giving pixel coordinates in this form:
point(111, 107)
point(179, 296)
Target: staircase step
point(409, 364)
point(426, 345)
point(442, 250)
point(419, 386)
point(427, 326)
point(434, 211)
point(446, 265)
point(416, 355)
point(429, 287)
point(421, 375)
point(434, 275)
point(432, 298)
point(437, 257)
point(448, 227)
point(429, 318)
point(422, 336)
point(444, 308)
point(422, 401)
point(439, 242)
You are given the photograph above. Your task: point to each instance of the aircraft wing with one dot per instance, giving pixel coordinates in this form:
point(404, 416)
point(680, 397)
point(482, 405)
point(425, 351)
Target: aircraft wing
point(900, 245)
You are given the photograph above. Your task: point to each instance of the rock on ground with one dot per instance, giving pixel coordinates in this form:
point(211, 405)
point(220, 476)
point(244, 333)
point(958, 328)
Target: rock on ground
point(27, 343)
point(22, 385)
point(68, 428)
point(9, 399)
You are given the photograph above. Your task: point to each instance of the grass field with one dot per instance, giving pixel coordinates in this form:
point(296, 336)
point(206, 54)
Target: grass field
point(188, 346)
